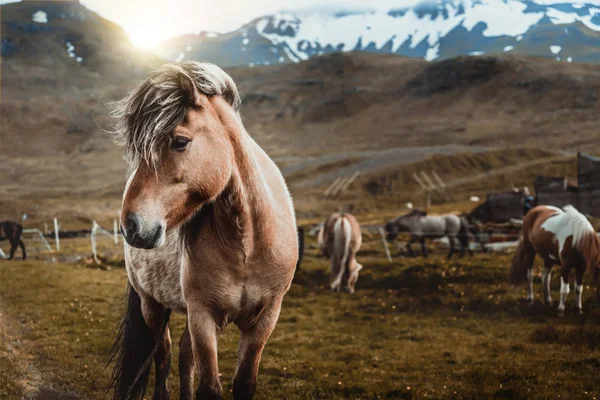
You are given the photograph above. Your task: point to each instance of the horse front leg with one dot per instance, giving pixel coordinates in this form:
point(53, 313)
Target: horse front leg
point(423, 247)
point(186, 365)
point(452, 247)
point(155, 315)
point(411, 253)
point(564, 287)
point(203, 331)
point(252, 344)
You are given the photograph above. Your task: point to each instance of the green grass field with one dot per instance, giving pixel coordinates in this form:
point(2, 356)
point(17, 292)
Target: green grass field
point(416, 328)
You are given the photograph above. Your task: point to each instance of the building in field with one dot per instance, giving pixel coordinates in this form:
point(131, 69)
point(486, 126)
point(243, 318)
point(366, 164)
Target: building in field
point(583, 192)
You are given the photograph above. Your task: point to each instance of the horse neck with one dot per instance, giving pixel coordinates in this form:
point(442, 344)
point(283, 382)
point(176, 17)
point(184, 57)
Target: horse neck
point(242, 204)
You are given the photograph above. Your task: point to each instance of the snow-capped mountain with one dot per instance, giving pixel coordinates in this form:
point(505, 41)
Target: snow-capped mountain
point(431, 30)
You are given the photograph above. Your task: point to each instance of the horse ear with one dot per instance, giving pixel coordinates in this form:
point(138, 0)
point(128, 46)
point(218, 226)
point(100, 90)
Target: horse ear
point(189, 90)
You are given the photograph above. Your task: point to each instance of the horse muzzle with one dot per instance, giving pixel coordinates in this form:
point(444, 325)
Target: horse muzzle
point(138, 233)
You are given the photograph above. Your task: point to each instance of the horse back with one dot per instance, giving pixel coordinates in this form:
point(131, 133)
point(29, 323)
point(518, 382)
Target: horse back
point(10, 230)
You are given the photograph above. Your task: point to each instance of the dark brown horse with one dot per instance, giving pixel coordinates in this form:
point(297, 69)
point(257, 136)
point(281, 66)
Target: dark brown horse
point(12, 232)
point(210, 232)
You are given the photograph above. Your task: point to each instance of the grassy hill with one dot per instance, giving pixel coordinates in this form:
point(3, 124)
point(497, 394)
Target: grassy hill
point(319, 119)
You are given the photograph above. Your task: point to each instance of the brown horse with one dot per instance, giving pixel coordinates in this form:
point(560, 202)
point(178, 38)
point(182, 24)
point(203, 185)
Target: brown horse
point(564, 238)
point(12, 232)
point(210, 232)
point(340, 240)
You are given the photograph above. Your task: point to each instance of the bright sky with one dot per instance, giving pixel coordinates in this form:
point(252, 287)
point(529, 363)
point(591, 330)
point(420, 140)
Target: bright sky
point(148, 22)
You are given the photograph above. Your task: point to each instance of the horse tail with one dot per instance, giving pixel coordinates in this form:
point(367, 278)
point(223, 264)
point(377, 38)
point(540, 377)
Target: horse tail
point(521, 263)
point(343, 236)
point(133, 351)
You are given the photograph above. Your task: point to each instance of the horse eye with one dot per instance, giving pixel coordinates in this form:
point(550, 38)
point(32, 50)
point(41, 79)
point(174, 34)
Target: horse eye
point(179, 143)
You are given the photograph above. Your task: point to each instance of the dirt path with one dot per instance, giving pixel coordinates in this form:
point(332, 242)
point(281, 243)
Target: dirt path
point(18, 364)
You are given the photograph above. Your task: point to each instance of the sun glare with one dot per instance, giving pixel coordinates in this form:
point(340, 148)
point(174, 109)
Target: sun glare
point(144, 37)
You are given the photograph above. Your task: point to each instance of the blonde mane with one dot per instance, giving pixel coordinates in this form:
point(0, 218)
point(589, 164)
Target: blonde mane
point(148, 115)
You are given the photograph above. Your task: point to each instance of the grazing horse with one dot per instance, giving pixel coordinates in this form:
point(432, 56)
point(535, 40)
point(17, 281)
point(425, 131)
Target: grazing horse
point(12, 232)
point(422, 226)
point(340, 240)
point(564, 238)
point(210, 232)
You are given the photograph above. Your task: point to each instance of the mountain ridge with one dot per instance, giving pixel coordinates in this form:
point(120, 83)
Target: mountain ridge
point(431, 30)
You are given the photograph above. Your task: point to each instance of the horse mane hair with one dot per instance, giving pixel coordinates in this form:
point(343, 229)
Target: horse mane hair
point(416, 211)
point(145, 118)
point(585, 239)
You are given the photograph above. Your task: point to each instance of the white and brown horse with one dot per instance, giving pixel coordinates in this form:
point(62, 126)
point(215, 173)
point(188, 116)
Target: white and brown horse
point(559, 237)
point(210, 232)
point(340, 240)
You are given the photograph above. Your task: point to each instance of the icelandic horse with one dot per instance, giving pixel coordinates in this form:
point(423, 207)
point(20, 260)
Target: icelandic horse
point(560, 237)
point(210, 232)
point(422, 227)
point(339, 240)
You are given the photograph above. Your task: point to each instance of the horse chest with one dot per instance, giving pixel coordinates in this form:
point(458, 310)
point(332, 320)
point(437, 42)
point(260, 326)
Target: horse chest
point(157, 274)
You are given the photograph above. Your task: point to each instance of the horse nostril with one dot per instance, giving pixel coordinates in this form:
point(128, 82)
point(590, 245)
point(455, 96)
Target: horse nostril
point(131, 225)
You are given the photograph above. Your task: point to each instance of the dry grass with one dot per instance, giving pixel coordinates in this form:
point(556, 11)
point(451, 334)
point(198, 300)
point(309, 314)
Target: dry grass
point(416, 328)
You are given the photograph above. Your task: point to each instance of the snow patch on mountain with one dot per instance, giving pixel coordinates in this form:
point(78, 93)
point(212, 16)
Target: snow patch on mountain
point(303, 34)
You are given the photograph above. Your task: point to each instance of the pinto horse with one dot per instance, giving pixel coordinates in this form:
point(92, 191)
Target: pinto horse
point(559, 237)
point(340, 240)
point(12, 232)
point(210, 232)
point(422, 226)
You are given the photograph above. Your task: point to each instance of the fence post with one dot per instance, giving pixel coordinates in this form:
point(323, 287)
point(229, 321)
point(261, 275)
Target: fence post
point(56, 236)
point(93, 236)
point(385, 245)
point(115, 231)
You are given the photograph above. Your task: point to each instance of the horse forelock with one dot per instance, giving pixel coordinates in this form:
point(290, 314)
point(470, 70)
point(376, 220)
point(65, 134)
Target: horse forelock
point(145, 118)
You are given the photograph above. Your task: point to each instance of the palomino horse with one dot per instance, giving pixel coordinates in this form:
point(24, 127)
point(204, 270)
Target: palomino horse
point(422, 227)
point(564, 238)
point(340, 240)
point(210, 232)
point(12, 232)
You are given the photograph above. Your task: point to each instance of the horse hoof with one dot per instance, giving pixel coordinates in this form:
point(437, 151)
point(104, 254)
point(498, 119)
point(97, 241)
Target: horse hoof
point(579, 311)
point(561, 313)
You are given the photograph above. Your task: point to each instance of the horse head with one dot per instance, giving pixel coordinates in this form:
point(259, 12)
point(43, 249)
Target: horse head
point(403, 223)
point(179, 129)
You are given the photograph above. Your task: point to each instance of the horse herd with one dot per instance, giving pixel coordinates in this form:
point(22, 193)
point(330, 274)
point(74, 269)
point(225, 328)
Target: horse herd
point(563, 237)
point(210, 232)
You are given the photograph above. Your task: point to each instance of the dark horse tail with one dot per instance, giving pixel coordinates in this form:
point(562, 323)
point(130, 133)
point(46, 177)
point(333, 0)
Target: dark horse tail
point(133, 350)
point(520, 265)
